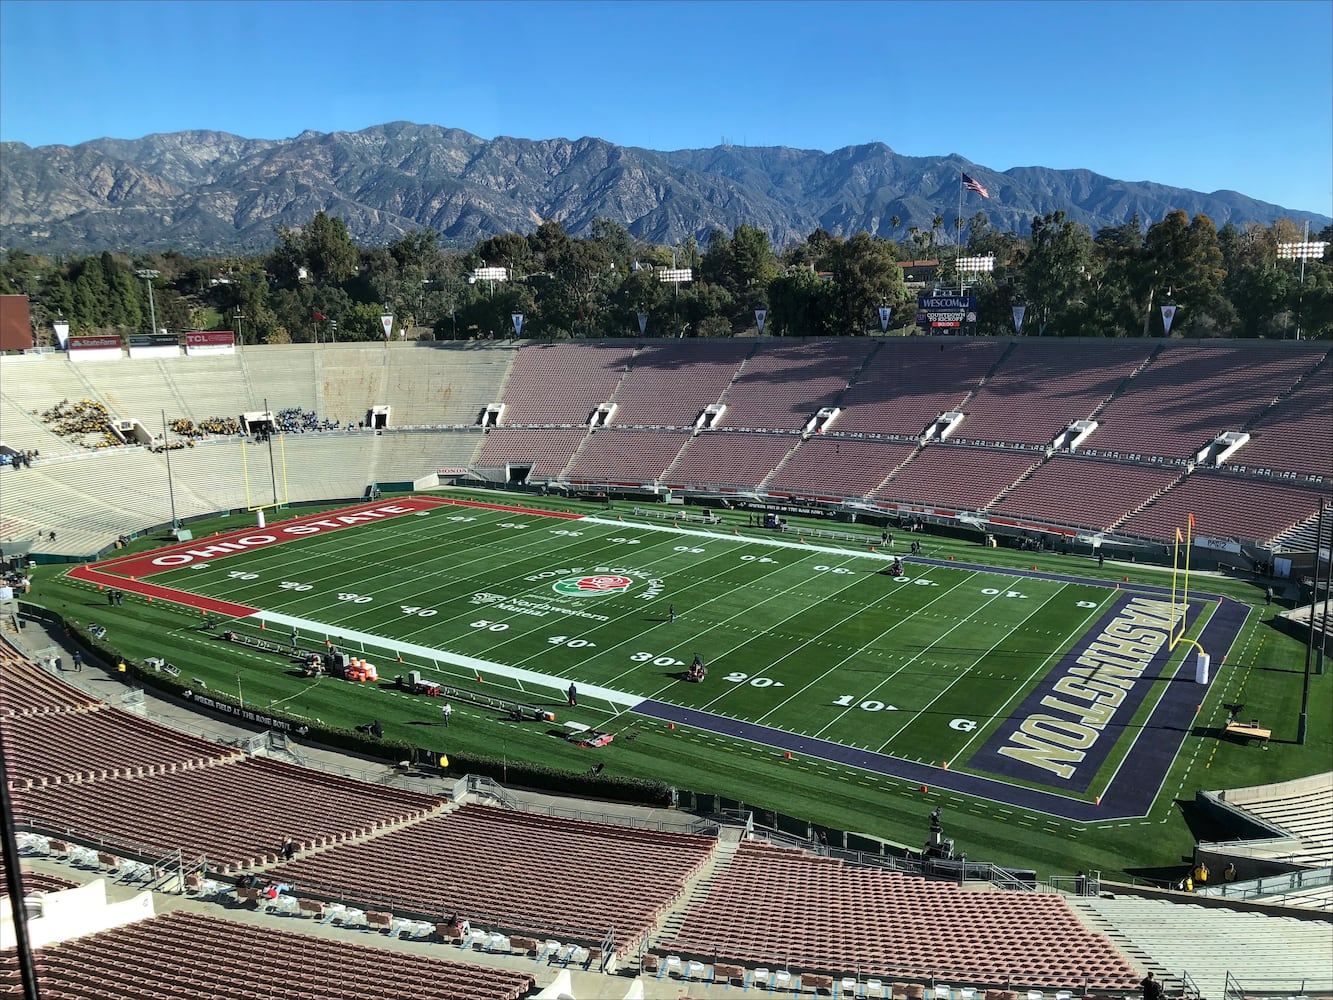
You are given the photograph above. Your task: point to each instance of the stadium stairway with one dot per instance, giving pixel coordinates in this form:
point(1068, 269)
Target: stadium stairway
point(697, 889)
point(380, 829)
point(1094, 920)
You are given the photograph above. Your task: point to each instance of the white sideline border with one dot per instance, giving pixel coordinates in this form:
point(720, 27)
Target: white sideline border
point(479, 667)
point(777, 543)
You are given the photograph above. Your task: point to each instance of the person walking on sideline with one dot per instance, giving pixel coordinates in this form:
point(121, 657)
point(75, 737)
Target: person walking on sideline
point(446, 712)
point(671, 612)
point(573, 693)
point(78, 661)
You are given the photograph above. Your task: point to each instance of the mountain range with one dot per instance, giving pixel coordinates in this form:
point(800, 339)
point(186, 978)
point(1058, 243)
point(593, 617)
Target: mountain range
point(212, 192)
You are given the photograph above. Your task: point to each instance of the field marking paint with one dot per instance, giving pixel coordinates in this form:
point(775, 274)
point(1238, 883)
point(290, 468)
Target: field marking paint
point(1025, 685)
point(842, 715)
point(1210, 609)
point(472, 663)
point(959, 623)
point(248, 539)
point(966, 670)
point(640, 638)
point(353, 553)
point(852, 579)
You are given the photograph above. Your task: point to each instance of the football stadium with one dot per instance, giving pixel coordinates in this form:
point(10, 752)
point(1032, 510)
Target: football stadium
point(924, 667)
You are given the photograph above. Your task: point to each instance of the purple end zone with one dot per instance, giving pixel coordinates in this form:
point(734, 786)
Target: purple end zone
point(1061, 740)
point(1130, 794)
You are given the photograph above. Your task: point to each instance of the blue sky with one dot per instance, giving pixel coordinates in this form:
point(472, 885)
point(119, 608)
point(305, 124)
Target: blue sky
point(1201, 95)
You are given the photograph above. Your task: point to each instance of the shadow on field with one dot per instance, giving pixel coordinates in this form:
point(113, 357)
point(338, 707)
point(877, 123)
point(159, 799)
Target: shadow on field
point(1202, 824)
point(1164, 876)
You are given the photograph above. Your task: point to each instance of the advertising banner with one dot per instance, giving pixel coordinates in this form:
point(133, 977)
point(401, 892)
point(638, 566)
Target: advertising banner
point(154, 345)
point(94, 348)
point(199, 342)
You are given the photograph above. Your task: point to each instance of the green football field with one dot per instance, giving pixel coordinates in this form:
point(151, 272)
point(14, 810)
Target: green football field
point(800, 639)
point(835, 693)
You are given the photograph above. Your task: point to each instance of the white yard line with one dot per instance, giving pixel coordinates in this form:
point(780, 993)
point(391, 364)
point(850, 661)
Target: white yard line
point(1025, 687)
point(472, 663)
point(924, 708)
point(900, 621)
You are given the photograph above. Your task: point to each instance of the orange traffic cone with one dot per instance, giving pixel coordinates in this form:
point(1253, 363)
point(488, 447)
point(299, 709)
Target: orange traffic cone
point(671, 725)
point(925, 789)
point(480, 679)
point(787, 755)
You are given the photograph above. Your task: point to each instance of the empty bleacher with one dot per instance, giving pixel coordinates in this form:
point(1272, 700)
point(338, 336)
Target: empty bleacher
point(563, 383)
point(1086, 492)
point(1296, 435)
point(445, 384)
point(670, 383)
point(92, 743)
point(514, 870)
point(32, 882)
point(1212, 944)
point(1303, 807)
point(189, 955)
point(1226, 506)
point(621, 456)
point(234, 812)
point(1041, 387)
point(778, 906)
point(720, 458)
point(402, 456)
point(908, 383)
point(545, 451)
point(27, 689)
point(1015, 393)
point(839, 467)
point(781, 386)
point(214, 386)
point(957, 476)
point(1188, 394)
point(286, 375)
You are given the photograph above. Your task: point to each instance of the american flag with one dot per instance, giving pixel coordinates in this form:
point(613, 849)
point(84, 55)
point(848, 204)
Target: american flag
point(976, 186)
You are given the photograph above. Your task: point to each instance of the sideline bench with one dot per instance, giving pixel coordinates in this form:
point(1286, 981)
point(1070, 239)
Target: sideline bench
point(1249, 732)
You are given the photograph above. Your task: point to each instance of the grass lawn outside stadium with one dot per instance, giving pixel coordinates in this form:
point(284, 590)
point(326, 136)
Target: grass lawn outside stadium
point(1034, 695)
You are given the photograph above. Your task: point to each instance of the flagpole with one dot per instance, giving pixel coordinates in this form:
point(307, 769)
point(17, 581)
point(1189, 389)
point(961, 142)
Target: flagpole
point(958, 231)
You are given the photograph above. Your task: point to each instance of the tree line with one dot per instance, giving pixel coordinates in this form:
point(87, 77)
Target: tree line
point(317, 285)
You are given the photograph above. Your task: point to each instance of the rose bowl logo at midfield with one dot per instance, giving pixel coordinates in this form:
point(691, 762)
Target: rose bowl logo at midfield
point(592, 586)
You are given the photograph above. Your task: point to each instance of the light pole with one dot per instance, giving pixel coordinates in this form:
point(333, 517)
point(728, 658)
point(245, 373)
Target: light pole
point(1300, 299)
point(239, 316)
point(171, 489)
point(148, 274)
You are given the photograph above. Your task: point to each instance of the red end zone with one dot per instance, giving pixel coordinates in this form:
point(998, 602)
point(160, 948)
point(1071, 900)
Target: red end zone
point(125, 572)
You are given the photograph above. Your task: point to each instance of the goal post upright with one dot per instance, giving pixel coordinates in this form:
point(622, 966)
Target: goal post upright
point(1183, 579)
